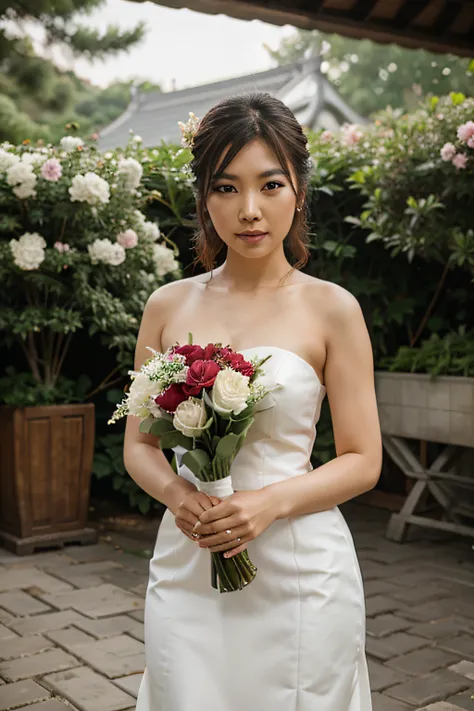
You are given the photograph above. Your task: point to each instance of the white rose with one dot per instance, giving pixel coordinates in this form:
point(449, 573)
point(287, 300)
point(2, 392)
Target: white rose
point(7, 160)
point(25, 190)
point(20, 173)
point(103, 250)
point(70, 143)
point(33, 158)
point(151, 231)
point(90, 188)
point(190, 417)
point(28, 251)
point(141, 396)
point(133, 172)
point(230, 392)
point(164, 260)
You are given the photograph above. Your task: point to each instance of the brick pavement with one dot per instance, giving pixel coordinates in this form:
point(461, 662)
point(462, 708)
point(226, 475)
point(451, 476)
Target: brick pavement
point(71, 623)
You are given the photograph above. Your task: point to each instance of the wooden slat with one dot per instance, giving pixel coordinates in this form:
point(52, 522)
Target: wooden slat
point(408, 13)
point(464, 21)
point(362, 9)
point(446, 18)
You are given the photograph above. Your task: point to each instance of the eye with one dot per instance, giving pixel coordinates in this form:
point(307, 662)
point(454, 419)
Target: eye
point(223, 188)
point(274, 185)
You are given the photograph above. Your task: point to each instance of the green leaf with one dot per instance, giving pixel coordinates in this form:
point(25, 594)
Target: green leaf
point(144, 504)
point(242, 426)
point(457, 98)
point(101, 468)
point(227, 446)
point(243, 415)
point(114, 395)
point(145, 425)
point(197, 460)
point(169, 440)
point(208, 424)
point(161, 427)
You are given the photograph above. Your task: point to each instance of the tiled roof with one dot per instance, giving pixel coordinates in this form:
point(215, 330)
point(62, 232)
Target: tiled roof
point(154, 116)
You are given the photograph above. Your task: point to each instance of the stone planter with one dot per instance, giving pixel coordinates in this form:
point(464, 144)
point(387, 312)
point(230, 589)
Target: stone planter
point(45, 467)
point(415, 406)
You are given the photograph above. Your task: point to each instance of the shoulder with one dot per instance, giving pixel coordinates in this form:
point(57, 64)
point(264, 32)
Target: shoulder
point(174, 292)
point(332, 302)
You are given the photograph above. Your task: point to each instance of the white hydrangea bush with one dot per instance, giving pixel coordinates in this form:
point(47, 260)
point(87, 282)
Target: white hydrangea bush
point(76, 248)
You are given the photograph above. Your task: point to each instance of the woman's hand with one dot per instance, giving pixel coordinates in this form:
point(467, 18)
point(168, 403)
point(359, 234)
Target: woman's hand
point(244, 515)
point(191, 507)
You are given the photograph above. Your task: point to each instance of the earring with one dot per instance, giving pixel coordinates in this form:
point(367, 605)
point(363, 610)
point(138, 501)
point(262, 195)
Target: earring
point(298, 209)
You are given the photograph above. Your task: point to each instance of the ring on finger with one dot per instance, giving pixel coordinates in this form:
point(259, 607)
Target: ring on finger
point(229, 532)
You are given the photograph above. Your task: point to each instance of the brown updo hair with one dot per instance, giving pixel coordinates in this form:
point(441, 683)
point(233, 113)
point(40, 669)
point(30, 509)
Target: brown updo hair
point(234, 123)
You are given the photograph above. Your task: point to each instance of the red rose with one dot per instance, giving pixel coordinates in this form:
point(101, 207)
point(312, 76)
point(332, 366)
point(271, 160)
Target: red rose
point(209, 351)
point(237, 362)
point(201, 374)
point(191, 353)
point(171, 397)
point(225, 352)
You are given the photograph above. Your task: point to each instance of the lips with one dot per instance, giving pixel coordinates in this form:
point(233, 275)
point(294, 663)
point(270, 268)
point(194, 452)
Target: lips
point(251, 236)
point(252, 233)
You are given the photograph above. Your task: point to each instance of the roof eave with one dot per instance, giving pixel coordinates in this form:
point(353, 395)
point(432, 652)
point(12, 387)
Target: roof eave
point(334, 23)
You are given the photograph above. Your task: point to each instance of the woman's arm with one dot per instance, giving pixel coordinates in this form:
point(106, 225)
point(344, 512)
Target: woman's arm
point(349, 379)
point(144, 460)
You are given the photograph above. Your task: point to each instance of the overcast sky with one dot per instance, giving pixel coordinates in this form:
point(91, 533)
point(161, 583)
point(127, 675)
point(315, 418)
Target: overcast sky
point(188, 47)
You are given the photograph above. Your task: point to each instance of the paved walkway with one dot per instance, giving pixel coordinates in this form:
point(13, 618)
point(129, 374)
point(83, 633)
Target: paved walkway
point(71, 623)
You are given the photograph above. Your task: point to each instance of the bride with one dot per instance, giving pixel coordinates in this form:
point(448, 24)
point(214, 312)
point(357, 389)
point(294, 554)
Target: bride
point(294, 638)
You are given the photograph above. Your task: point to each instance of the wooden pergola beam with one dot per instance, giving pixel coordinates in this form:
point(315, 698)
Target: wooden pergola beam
point(354, 22)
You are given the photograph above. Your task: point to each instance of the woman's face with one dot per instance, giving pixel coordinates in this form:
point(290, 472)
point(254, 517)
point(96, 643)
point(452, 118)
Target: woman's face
point(253, 195)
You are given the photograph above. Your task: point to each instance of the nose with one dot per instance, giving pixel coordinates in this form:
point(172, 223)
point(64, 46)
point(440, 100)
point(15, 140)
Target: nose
point(250, 210)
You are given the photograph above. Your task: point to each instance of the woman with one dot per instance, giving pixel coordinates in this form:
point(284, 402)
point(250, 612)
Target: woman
point(293, 639)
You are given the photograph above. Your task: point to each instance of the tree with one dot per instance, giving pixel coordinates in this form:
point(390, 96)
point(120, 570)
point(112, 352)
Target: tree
point(371, 76)
point(36, 97)
point(58, 21)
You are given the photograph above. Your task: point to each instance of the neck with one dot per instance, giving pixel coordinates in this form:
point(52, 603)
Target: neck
point(242, 274)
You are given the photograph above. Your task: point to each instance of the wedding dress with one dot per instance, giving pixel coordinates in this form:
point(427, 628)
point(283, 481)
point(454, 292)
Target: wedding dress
point(293, 639)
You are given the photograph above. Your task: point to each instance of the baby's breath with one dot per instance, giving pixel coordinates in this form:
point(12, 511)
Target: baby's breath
point(257, 393)
point(165, 369)
point(120, 411)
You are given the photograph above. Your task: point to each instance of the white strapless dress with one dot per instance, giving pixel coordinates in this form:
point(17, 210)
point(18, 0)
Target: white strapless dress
point(294, 638)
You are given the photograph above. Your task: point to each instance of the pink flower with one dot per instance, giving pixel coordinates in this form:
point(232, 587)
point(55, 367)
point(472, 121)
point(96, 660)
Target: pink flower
point(460, 161)
point(470, 142)
point(448, 151)
point(62, 247)
point(127, 239)
point(351, 134)
point(326, 137)
point(466, 131)
point(51, 170)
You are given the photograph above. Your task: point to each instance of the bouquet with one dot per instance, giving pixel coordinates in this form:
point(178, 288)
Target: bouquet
point(202, 400)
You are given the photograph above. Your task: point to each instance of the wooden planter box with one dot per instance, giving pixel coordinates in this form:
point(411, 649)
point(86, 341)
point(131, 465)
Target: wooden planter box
point(413, 405)
point(46, 458)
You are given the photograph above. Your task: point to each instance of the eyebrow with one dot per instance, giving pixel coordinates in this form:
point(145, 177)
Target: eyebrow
point(266, 174)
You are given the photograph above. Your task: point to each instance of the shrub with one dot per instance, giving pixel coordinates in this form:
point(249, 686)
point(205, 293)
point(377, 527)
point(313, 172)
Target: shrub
point(76, 254)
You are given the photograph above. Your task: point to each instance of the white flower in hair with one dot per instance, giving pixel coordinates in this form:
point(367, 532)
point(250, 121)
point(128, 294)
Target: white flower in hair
point(189, 130)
